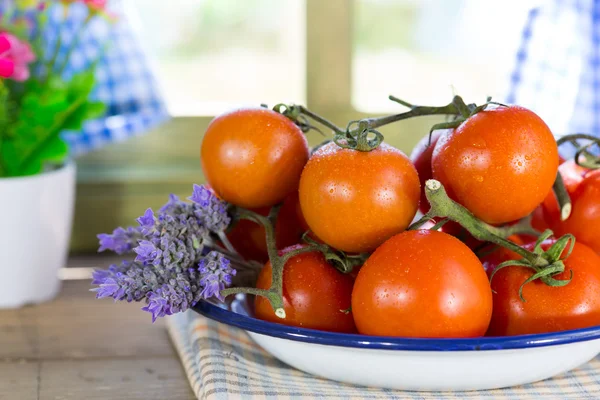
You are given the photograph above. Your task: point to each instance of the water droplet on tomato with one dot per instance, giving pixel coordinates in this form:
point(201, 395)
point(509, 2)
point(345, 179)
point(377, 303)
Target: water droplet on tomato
point(479, 143)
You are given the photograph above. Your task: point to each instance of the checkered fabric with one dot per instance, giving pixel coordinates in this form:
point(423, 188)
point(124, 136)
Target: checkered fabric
point(222, 363)
point(557, 70)
point(125, 81)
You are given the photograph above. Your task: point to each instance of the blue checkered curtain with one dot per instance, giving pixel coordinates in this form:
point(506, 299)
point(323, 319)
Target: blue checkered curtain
point(125, 81)
point(557, 71)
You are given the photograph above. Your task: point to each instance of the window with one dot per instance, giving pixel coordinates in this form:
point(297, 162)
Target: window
point(215, 55)
point(341, 58)
point(422, 51)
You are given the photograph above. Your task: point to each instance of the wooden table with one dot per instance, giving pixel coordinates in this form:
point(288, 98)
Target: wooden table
point(77, 347)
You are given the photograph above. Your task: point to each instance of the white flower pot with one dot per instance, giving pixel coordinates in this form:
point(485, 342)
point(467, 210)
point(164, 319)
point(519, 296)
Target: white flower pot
point(36, 214)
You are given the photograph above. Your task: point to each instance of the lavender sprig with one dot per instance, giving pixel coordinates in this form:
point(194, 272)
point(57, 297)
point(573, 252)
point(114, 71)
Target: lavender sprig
point(121, 241)
point(215, 275)
point(167, 294)
point(211, 211)
point(177, 262)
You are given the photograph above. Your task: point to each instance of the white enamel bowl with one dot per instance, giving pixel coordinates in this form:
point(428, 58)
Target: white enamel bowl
point(412, 363)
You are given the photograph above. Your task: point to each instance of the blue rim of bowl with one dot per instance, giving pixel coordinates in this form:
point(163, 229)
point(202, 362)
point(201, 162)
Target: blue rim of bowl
point(248, 323)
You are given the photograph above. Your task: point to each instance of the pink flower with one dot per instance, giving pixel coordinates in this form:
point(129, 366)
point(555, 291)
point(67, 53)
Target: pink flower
point(7, 67)
point(18, 53)
point(96, 5)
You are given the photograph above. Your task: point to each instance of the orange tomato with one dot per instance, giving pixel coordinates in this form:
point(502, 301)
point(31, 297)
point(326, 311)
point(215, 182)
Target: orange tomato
point(253, 157)
point(500, 163)
point(422, 284)
point(353, 200)
point(315, 294)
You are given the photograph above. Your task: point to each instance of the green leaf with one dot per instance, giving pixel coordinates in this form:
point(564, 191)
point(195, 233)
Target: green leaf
point(46, 109)
point(87, 111)
point(56, 151)
point(4, 112)
point(81, 85)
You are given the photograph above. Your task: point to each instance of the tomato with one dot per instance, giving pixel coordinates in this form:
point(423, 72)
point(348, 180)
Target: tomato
point(422, 284)
point(500, 163)
point(548, 211)
point(538, 219)
point(354, 200)
point(315, 294)
point(584, 221)
point(253, 157)
point(572, 175)
point(546, 309)
point(421, 158)
point(248, 237)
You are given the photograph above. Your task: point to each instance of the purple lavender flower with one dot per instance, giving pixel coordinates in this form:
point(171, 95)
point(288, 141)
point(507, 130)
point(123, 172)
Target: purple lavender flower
point(158, 304)
point(120, 241)
point(147, 222)
point(172, 270)
point(215, 275)
point(165, 291)
point(167, 300)
point(108, 288)
point(147, 252)
point(209, 209)
point(128, 281)
point(201, 195)
point(171, 204)
point(99, 276)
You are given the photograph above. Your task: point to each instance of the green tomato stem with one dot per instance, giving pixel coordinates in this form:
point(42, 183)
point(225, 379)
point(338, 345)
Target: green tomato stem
point(574, 137)
point(562, 196)
point(358, 139)
point(275, 293)
point(415, 111)
point(444, 207)
point(323, 121)
point(583, 157)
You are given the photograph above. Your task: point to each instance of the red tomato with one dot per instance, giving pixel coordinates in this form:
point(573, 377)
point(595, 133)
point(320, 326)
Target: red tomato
point(253, 157)
point(315, 294)
point(572, 175)
point(422, 284)
point(354, 200)
point(499, 164)
point(248, 237)
point(546, 309)
point(421, 158)
point(538, 219)
point(584, 221)
point(548, 211)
